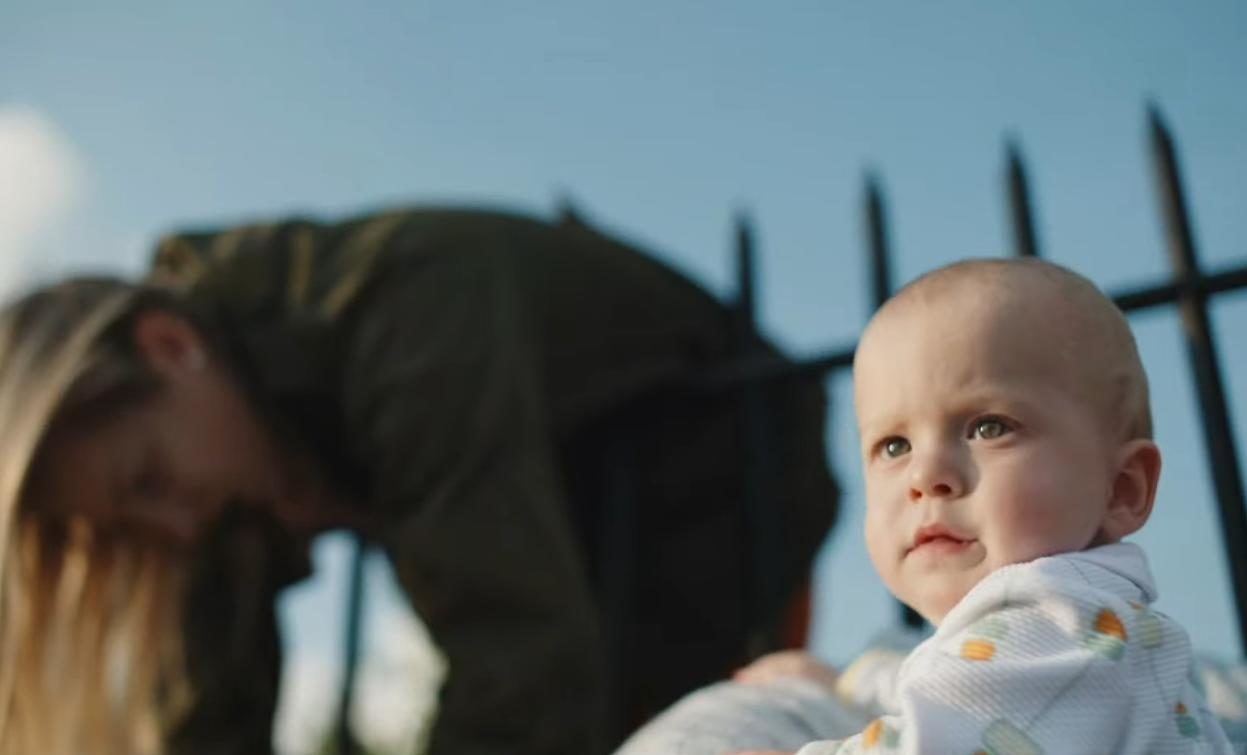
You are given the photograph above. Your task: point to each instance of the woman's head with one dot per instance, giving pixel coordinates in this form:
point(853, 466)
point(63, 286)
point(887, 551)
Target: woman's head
point(156, 435)
point(123, 433)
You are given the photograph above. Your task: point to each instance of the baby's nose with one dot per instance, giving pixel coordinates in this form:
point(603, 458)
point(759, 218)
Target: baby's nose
point(935, 475)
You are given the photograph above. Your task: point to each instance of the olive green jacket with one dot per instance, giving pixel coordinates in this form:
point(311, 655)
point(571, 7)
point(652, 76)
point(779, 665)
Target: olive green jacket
point(450, 367)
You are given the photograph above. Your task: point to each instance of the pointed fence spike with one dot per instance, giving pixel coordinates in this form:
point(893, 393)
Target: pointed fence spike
point(878, 248)
point(746, 292)
point(1025, 238)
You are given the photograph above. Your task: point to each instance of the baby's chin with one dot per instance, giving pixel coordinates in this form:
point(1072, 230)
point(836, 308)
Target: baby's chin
point(934, 601)
point(934, 604)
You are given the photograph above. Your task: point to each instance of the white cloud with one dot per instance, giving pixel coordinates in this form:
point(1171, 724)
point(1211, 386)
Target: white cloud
point(396, 690)
point(41, 177)
point(399, 674)
point(309, 690)
point(399, 681)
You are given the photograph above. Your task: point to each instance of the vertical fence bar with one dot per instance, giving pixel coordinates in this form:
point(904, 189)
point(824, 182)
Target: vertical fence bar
point(1025, 238)
point(746, 306)
point(618, 554)
point(1201, 347)
point(878, 249)
point(761, 588)
point(346, 743)
point(879, 257)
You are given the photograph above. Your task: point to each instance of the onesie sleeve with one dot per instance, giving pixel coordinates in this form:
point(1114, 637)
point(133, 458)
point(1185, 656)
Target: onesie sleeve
point(869, 682)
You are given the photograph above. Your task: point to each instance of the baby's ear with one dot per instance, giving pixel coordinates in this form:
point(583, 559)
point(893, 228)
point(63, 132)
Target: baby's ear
point(1134, 489)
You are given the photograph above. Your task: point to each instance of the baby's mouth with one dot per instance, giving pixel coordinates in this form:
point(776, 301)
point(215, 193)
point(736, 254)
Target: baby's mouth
point(936, 538)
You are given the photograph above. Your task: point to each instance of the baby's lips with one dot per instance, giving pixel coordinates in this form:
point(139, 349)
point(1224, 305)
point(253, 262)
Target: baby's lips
point(937, 531)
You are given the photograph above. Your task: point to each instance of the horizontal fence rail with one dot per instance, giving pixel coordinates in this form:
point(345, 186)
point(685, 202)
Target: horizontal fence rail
point(766, 367)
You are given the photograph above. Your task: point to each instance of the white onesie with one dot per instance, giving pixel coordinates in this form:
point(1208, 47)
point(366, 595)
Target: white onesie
point(1058, 656)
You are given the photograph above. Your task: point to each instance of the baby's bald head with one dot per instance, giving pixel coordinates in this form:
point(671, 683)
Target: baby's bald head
point(1054, 313)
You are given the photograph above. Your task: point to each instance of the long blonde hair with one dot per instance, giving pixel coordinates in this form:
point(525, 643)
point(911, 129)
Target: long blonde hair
point(90, 619)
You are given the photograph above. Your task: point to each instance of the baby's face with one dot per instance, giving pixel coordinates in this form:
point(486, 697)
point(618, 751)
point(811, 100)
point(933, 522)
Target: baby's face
point(979, 450)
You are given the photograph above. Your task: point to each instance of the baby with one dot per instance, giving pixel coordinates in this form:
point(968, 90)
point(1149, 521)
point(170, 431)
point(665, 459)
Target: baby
point(1007, 443)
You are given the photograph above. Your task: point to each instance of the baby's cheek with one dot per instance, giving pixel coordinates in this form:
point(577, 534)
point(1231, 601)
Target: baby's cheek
point(1044, 525)
point(878, 541)
point(883, 545)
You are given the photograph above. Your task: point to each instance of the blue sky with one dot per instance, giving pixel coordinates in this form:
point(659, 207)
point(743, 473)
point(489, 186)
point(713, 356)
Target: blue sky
point(661, 120)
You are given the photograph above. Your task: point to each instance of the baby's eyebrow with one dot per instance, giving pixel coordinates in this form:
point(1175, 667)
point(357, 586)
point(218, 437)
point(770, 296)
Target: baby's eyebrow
point(878, 429)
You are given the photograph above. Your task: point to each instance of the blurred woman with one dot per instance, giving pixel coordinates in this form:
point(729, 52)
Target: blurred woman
point(514, 410)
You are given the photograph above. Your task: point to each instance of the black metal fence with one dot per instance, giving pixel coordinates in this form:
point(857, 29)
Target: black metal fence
point(1189, 288)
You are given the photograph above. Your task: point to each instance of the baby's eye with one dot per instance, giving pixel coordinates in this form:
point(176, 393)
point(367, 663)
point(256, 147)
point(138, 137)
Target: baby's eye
point(989, 428)
point(894, 447)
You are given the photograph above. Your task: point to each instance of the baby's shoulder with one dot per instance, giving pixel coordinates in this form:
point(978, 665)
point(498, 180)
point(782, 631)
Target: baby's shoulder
point(1098, 599)
point(1116, 573)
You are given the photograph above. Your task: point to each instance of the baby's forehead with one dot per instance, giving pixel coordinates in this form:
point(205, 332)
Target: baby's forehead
point(1039, 298)
point(1049, 321)
point(982, 345)
point(1005, 283)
